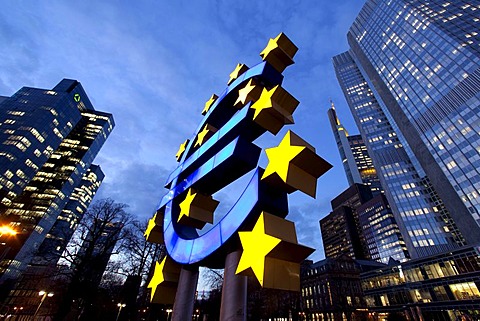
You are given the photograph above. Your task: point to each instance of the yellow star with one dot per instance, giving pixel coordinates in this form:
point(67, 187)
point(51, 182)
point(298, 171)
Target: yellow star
point(271, 45)
point(197, 209)
point(279, 158)
point(294, 165)
point(205, 134)
point(239, 69)
point(256, 246)
point(154, 232)
point(274, 109)
point(181, 150)
point(279, 52)
point(164, 281)
point(186, 203)
point(250, 92)
point(271, 252)
point(157, 277)
point(209, 104)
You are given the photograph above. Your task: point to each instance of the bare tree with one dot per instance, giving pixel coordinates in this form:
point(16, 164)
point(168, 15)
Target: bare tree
point(134, 262)
point(213, 278)
point(138, 253)
point(100, 234)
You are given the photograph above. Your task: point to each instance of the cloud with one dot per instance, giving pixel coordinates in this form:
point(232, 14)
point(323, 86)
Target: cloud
point(131, 186)
point(306, 216)
point(153, 66)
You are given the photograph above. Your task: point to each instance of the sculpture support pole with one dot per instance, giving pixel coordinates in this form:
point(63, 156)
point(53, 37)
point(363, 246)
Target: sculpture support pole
point(185, 297)
point(234, 293)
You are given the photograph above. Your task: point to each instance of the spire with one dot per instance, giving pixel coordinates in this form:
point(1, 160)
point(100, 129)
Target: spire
point(333, 114)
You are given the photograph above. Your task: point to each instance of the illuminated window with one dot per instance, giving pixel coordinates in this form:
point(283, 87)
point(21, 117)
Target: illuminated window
point(16, 113)
point(8, 174)
point(37, 135)
point(451, 164)
point(465, 291)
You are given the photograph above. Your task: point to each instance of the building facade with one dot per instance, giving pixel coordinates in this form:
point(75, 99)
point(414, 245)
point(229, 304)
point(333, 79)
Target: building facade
point(401, 176)
point(361, 226)
point(380, 232)
point(48, 140)
point(67, 222)
point(434, 99)
point(440, 287)
point(411, 78)
point(331, 289)
point(341, 233)
point(377, 229)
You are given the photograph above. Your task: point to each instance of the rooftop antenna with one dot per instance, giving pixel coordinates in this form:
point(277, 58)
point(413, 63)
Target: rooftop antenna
point(331, 104)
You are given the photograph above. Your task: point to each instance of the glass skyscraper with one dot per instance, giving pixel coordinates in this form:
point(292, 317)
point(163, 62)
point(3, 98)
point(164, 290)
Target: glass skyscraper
point(412, 81)
point(48, 140)
point(378, 232)
point(356, 162)
point(67, 222)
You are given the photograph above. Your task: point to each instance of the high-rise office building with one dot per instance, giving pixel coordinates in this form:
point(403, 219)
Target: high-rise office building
point(380, 232)
point(361, 226)
point(356, 162)
point(424, 65)
point(420, 60)
point(412, 81)
point(340, 234)
point(57, 238)
point(425, 227)
point(48, 141)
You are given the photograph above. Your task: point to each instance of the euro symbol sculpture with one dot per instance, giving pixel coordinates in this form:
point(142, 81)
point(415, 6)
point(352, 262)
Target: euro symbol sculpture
point(220, 152)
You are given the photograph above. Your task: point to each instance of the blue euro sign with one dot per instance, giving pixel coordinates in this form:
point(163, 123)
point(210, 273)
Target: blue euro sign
point(222, 159)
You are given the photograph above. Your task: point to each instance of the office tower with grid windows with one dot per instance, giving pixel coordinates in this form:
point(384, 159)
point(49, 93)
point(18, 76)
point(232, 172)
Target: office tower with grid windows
point(341, 234)
point(67, 222)
point(48, 141)
point(412, 81)
point(378, 232)
point(356, 162)
point(362, 227)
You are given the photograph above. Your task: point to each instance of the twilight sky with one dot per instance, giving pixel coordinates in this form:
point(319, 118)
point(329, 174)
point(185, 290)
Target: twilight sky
point(154, 64)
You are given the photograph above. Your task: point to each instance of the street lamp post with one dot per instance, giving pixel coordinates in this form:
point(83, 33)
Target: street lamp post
point(8, 232)
point(168, 313)
point(120, 307)
point(196, 315)
point(301, 315)
point(17, 310)
point(44, 294)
